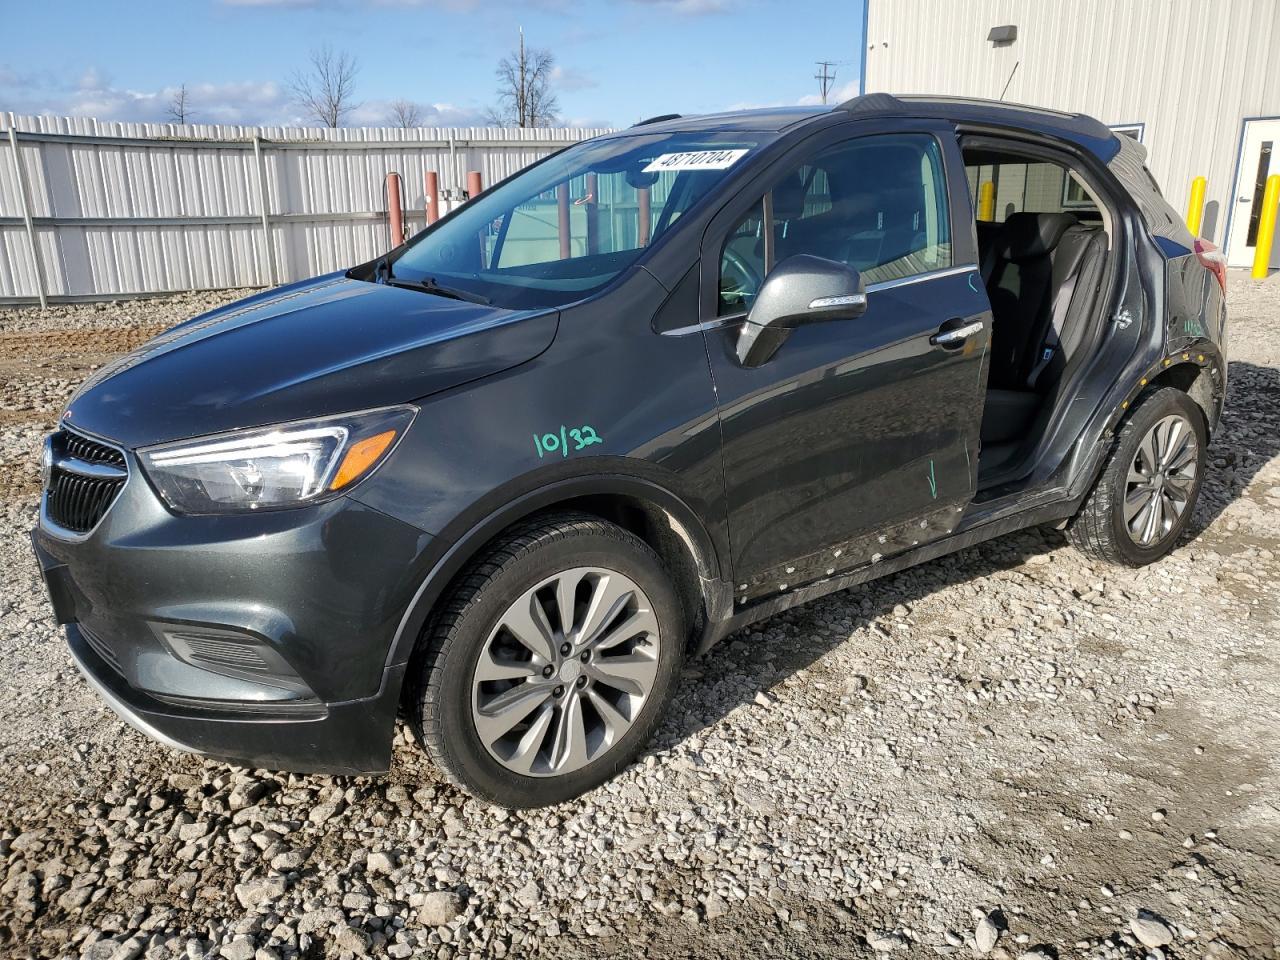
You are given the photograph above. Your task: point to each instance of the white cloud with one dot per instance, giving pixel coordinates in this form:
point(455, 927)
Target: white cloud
point(344, 4)
point(93, 94)
point(834, 96)
point(377, 113)
point(245, 103)
point(568, 79)
point(688, 8)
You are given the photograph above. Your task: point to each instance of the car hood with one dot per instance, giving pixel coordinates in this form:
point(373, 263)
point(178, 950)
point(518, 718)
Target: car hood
point(323, 346)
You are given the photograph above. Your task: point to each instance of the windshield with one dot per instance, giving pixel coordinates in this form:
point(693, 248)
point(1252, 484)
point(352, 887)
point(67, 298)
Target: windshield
point(568, 226)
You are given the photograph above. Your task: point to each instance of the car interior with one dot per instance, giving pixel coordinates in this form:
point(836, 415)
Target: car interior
point(1042, 243)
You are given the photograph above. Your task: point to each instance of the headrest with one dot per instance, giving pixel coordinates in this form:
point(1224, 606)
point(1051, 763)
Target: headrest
point(788, 198)
point(1028, 235)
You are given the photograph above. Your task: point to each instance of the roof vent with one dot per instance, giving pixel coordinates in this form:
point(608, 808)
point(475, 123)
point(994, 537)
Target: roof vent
point(873, 103)
point(658, 119)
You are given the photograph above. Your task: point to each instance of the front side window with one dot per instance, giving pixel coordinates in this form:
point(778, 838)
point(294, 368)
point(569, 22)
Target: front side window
point(567, 227)
point(877, 203)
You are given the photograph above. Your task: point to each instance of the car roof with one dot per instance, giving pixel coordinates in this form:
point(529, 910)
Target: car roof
point(772, 119)
point(1077, 128)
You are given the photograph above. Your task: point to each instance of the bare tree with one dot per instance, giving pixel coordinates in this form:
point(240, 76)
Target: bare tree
point(525, 98)
point(180, 106)
point(326, 91)
point(405, 113)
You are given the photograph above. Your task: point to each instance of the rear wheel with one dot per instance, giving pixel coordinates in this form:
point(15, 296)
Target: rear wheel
point(551, 663)
point(1149, 487)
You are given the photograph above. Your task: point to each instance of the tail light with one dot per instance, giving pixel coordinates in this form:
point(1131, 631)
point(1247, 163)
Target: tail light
point(1212, 260)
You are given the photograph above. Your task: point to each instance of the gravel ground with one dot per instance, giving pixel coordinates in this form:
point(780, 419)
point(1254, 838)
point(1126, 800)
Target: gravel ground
point(1011, 752)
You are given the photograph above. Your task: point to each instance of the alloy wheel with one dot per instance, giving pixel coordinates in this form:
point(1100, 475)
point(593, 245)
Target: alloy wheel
point(1161, 479)
point(564, 673)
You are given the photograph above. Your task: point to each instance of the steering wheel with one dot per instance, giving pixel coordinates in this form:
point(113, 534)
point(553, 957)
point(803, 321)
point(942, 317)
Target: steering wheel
point(739, 277)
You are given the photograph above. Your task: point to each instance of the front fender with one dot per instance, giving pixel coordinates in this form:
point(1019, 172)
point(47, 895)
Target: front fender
point(463, 539)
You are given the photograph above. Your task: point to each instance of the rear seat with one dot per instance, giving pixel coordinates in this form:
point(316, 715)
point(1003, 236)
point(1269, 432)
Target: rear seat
point(1035, 267)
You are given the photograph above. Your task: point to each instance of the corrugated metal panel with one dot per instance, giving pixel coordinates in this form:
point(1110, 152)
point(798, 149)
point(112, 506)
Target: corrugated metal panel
point(334, 178)
point(1189, 71)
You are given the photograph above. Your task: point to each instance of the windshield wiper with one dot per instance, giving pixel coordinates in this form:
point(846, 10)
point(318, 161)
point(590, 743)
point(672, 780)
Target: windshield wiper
point(429, 285)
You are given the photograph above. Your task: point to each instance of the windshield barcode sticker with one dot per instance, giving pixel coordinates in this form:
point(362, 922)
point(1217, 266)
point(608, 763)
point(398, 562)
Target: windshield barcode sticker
point(696, 160)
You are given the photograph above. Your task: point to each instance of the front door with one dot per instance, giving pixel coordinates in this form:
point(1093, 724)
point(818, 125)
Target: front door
point(1259, 159)
point(858, 438)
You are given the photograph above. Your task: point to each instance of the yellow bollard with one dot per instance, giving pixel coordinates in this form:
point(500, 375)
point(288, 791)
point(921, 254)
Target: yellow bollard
point(1195, 208)
point(987, 201)
point(1266, 228)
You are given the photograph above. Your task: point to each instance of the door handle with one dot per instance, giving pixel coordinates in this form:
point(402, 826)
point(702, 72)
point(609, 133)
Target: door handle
point(956, 335)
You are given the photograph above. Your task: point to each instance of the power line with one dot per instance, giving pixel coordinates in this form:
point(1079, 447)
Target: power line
point(825, 78)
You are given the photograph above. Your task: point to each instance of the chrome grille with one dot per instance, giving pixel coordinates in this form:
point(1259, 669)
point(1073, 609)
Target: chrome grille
point(91, 451)
point(85, 476)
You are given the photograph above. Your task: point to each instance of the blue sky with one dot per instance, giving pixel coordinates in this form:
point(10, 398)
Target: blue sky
point(617, 60)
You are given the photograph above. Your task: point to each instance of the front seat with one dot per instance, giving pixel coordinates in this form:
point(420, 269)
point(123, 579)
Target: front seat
point(1042, 271)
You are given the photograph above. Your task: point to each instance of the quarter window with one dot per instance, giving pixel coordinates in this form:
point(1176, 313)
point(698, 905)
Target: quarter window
point(877, 203)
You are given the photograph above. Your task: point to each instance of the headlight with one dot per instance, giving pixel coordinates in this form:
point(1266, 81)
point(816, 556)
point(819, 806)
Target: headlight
point(286, 465)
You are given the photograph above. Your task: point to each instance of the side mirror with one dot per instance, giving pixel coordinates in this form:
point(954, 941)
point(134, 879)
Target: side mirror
point(800, 290)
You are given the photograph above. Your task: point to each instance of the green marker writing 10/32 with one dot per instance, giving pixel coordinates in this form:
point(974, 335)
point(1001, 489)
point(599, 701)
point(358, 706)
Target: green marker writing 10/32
point(548, 444)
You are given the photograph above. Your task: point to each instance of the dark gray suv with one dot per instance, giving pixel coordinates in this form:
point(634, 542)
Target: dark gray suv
point(504, 479)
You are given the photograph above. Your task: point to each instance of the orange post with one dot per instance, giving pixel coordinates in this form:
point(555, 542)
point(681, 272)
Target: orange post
point(593, 213)
point(395, 213)
point(433, 196)
point(643, 227)
point(475, 185)
point(562, 211)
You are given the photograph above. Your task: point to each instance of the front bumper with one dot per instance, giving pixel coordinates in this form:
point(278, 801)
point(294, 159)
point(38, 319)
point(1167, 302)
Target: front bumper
point(336, 738)
point(262, 639)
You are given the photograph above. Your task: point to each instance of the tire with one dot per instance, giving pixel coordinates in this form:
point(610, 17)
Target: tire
point(1101, 529)
point(464, 675)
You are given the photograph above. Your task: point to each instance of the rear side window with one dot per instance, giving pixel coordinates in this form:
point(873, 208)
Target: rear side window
point(877, 203)
point(1003, 185)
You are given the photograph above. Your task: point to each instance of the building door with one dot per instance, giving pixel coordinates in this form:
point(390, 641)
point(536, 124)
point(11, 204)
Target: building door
point(1259, 158)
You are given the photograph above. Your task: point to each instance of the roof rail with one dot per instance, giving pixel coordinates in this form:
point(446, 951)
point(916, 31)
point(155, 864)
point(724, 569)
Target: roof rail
point(658, 119)
point(873, 103)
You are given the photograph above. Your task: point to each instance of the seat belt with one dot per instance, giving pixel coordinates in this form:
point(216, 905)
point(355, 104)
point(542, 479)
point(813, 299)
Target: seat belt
point(1057, 320)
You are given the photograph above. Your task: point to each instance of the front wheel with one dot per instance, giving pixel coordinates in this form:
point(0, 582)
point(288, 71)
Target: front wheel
point(551, 663)
point(1148, 489)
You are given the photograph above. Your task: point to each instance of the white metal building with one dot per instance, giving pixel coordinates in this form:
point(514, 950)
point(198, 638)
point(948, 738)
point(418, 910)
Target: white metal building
point(1197, 81)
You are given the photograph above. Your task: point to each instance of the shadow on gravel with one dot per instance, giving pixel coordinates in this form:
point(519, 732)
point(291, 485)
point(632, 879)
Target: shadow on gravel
point(1246, 440)
point(822, 625)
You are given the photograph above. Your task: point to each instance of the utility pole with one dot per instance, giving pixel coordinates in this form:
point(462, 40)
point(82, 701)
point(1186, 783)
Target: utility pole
point(825, 78)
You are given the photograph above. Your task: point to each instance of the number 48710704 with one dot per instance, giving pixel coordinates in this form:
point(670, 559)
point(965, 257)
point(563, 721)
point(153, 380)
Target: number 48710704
point(549, 444)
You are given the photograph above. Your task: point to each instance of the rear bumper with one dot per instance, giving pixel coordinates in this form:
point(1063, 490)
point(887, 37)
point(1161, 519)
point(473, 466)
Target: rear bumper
point(353, 737)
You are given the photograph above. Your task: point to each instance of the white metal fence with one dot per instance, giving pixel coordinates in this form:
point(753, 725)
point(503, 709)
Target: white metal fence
point(92, 210)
